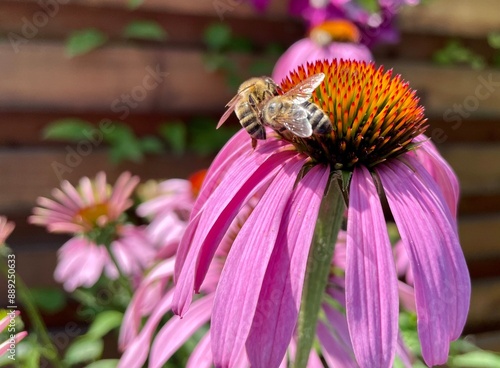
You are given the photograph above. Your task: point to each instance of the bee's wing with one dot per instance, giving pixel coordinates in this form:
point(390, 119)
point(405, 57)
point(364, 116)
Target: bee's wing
point(230, 108)
point(303, 91)
point(297, 121)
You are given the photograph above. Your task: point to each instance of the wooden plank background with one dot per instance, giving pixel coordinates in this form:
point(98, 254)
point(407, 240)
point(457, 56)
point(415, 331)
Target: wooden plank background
point(40, 84)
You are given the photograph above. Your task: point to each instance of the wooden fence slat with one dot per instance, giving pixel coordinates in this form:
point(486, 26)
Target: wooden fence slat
point(28, 174)
point(41, 77)
point(452, 17)
point(480, 236)
point(34, 164)
point(24, 127)
point(183, 29)
point(475, 18)
point(485, 300)
point(476, 166)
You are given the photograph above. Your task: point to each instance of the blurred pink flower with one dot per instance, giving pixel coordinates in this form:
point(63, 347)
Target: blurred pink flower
point(81, 262)
point(377, 121)
point(13, 338)
point(93, 204)
point(6, 228)
point(376, 23)
point(336, 39)
point(94, 213)
point(168, 211)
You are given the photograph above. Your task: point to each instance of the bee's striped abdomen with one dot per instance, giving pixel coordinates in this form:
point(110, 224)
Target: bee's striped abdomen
point(320, 122)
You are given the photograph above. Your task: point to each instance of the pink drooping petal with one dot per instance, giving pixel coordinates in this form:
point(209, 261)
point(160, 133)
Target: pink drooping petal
point(440, 170)
point(241, 280)
point(334, 336)
point(229, 154)
point(441, 278)
point(221, 208)
point(137, 351)
point(407, 296)
point(177, 331)
point(86, 191)
point(403, 353)
point(69, 194)
point(5, 346)
point(123, 188)
point(279, 300)
point(201, 357)
point(371, 281)
point(237, 146)
point(80, 263)
point(136, 309)
point(211, 182)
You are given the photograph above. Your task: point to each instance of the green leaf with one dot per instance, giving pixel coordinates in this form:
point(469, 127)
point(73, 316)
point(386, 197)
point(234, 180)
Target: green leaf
point(175, 133)
point(104, 322)
point(216, 61)
point(69, 129)
point(371, 6)
point(217, 36)
point(105, 363)
point(240, 44)
point(494, 39)
point(50, 300)
point(134, 4)
point(146, 30)
point(476, 359)
point(83, 350)
point(124, 145)
point(84, 41)
point(151, 144)
point(318, 267)
point(261, 67)
point(205, 139)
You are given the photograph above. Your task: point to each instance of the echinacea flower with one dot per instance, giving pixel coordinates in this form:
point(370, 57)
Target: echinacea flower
point(168, 210)
point(91, 205)
point(376, 146)
point(334, 39)
point(9, 346)
point(93, 213)
point(376, 20)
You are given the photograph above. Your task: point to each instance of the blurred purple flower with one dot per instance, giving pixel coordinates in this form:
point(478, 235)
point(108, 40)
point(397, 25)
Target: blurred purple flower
point(330, 40)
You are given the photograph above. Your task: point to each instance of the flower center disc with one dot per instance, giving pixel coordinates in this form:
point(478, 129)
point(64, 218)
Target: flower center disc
point(374, 115)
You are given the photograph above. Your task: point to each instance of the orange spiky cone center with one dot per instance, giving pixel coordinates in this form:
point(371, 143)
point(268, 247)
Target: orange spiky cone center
point(338, 30)
point(94, 215)
point(374, 115)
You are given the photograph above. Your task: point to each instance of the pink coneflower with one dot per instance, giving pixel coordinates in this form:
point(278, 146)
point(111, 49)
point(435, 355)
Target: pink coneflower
point(334, 39)
point(93, 213)
point(333, 335)
point(376, 20)
point(376, 147)
point(168, 210)
point(91, 205)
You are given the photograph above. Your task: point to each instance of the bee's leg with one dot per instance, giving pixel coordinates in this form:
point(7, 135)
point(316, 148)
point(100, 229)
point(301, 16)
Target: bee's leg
point(252, 101)
point(254, 143)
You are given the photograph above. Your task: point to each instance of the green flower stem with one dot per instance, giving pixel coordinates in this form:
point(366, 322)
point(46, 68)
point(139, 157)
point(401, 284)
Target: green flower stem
point(49, 349)
point(319, 263)
point(122, 278)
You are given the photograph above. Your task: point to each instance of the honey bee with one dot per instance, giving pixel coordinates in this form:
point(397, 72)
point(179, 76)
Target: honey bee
point(247, 105)
point(294, 112)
